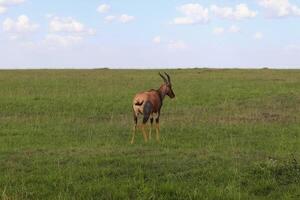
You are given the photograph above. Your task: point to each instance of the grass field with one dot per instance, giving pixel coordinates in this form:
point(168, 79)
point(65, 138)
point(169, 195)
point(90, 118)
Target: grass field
point(228, 134)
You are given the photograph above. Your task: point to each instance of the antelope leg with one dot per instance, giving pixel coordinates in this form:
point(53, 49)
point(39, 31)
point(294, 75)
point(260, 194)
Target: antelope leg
point(144, 133)
point(151, 126)
point(133, 134)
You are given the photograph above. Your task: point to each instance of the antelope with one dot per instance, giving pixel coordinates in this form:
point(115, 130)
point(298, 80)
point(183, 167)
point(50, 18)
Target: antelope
point(149, 105)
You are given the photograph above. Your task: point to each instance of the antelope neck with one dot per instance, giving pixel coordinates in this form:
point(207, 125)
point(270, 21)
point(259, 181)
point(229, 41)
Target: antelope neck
point(161, 93)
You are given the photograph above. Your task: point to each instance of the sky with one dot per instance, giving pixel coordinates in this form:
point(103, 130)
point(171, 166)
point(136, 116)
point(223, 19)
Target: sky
point(149, 34)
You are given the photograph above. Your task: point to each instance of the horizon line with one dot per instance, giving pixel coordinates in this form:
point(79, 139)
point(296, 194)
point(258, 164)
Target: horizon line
point(142, 68)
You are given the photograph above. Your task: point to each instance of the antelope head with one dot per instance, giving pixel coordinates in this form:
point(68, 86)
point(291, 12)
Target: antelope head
point(167, 86)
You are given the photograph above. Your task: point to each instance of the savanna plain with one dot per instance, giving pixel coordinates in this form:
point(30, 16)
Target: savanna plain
point(228, 134)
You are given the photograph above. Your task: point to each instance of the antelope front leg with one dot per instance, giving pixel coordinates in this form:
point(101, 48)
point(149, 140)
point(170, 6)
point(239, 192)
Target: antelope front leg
point(157, 130)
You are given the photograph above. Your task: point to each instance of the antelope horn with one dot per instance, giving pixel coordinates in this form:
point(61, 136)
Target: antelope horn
point(163, 77)
point(169, 79)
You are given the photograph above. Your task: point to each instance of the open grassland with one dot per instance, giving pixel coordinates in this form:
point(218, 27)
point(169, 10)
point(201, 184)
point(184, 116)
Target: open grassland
point(229, 134)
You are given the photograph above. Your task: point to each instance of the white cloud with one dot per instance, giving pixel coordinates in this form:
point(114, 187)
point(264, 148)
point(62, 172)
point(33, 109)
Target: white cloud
point(218, 31)
point(234, 29)
point(2, 9)
point(126, 18)
point(69, 25)
point(241, 11)
point(49, 16)
point(258, 36)
point(170, 44)
point(110, 18)
point(193, 14)
point(104, 8)
point(280, 8)
point(21, 25)
point(65, 31)
point(122, 18)
point(5, 4)
point(174, 45)
point(62, 40)
point(157, 40)
point(221, 30)
point(11, 2)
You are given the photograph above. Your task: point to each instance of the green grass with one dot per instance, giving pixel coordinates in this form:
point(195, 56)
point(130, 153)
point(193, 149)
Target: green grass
point(229, 134)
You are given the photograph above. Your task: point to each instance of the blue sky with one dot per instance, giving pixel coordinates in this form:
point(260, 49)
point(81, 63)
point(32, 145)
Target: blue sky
point(135, 33)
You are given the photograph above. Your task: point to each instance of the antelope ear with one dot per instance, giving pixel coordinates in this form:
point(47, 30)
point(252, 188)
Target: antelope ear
point(165, 80)
point(169, 79)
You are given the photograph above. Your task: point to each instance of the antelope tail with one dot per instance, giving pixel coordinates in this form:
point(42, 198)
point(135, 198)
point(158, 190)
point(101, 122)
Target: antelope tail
point(139, 103)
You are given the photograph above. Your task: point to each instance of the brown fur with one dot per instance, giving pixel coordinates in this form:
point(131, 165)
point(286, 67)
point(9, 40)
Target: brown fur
point(153, 99)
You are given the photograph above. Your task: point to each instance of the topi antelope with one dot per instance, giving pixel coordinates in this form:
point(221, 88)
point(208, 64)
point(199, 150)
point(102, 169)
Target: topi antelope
point(149, 104)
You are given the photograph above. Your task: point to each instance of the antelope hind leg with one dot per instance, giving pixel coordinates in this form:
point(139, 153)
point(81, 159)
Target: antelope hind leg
point(151, 126)
point(144, 133)
point(147, 112)
point(133, 134)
